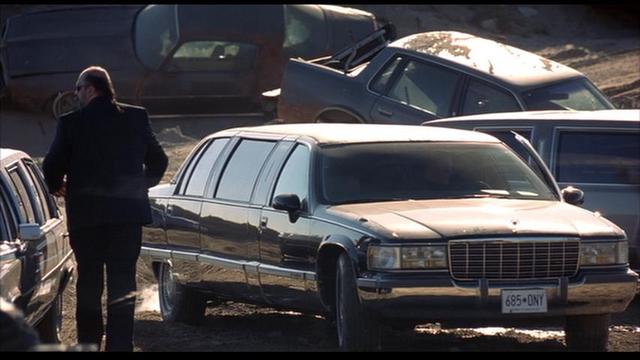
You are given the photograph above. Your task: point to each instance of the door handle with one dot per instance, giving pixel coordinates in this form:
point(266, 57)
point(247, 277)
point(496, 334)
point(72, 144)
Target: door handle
point(169, 209)
point(385, 112)
point(263, 221)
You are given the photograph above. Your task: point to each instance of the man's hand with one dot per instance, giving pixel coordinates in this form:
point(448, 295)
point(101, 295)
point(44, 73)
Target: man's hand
point(62, 192)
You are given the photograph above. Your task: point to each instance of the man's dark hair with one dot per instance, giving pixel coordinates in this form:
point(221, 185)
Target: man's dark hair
point(103, 86)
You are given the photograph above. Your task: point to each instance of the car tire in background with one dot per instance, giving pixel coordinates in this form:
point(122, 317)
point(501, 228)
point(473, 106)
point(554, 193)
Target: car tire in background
point(587, 332)
point(357, 329)
point(50, 327)
point(179, 303)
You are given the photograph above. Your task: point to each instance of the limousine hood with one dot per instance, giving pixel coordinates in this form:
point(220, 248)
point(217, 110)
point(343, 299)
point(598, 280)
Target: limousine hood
point(457, 218)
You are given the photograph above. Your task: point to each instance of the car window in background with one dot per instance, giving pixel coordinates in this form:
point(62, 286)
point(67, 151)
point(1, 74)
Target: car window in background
point(242, 170)
point(381, 81)
point(213, 56)
point(577, 94)
point(398, 171)
point(305, 31)
point(428, 87)
point(155, 33)
point(482, 98)
point(598, 157)
point(294, 178)
point(198, 179)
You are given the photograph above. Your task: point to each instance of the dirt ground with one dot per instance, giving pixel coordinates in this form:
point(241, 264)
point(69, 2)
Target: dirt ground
point(607, 51)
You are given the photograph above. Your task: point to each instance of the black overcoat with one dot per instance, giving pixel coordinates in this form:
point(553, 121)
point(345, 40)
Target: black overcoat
point(110, 159)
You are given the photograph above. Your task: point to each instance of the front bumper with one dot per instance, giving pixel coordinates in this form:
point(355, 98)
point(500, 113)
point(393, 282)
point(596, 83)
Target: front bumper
point(438, 297)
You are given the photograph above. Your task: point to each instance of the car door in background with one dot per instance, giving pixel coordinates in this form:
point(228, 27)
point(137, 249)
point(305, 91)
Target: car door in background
point(605, 164)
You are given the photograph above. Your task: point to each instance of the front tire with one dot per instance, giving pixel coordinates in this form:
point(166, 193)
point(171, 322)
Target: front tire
point(179, 303)
point(587, 332)
point(357, 329)
point(50, 327)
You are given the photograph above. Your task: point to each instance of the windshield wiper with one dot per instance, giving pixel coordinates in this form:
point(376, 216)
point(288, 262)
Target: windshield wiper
point(360, 201)
point(478, 196)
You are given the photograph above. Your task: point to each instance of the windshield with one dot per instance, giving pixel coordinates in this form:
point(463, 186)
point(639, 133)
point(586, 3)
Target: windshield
point(353, 173)
point(575, 94)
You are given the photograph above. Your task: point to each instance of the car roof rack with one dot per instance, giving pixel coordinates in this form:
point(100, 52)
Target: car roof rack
point(362, 51)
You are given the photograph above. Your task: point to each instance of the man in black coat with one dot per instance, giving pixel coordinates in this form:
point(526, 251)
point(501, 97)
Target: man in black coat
point(110, 157)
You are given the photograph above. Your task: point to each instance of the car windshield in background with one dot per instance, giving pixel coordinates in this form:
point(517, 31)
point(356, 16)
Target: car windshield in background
point(357, 173)
point(576, 94)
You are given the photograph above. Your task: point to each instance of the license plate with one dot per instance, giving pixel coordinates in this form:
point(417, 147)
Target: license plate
point(524, 301)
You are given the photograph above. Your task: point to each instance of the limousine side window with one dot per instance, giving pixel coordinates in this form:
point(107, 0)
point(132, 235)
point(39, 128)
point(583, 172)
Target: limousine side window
point(294, 178)
point(198, 180)
point(598, 157)
point(44, 200)
point(185, 171)
point(242, 169)
point(25, 206)
point(7, 226)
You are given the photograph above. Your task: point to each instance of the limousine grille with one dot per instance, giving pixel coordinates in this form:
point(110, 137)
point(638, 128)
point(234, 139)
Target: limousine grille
point(521, 259)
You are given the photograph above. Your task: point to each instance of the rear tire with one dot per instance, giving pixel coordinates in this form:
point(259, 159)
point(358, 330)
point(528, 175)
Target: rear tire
point(179, 303)
point(50, 327)
point(587, 332)
point(357, 329)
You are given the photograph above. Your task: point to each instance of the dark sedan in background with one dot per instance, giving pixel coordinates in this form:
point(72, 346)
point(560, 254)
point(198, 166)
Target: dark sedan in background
point(383, 224)
point(171, 59)
point(427, 76)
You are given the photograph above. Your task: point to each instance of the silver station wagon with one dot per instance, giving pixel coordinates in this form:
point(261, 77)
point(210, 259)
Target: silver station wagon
point(596, 151)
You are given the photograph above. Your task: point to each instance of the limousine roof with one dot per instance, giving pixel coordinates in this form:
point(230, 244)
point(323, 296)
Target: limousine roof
point(509, 64)
point(627, 115)
point(361, 133)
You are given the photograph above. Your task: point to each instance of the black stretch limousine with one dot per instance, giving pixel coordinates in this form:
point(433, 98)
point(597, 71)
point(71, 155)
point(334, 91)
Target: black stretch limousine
point(383, 224)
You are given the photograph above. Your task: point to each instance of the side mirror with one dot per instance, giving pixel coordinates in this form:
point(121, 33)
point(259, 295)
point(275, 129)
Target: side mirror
point(28, 232)
point(289, 203)
point(573, 196)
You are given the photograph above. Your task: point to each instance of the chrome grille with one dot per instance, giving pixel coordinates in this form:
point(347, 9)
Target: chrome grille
point(513, 259)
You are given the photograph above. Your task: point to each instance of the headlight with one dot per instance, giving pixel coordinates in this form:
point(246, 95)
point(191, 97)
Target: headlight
point(604, 253)
point(407, 257)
